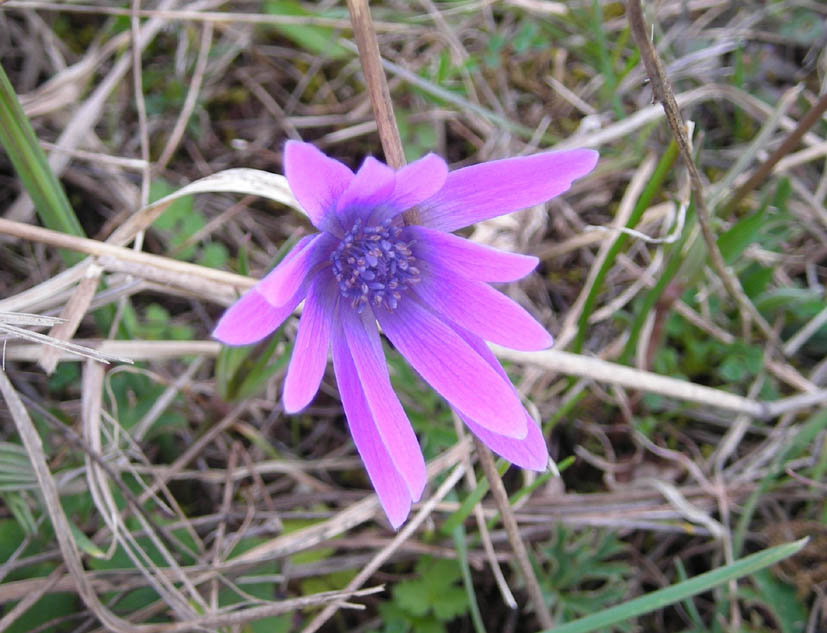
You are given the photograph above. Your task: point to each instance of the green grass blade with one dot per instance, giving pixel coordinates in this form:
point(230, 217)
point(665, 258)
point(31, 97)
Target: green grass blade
point(669, 595)
point(461, 546)
point(804, 437)
point(661, 171)
point(18, 139)
point(476, 495)
point(606, 69)
point(673, 265)
point(319, 40)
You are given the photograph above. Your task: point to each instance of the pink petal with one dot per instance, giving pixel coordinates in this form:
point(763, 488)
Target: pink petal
point(390, 487)
point(481, 310)
point(284, 280)
point(498, 187)
point(416, 182)
point(529, 452)
point(469, 259)
point(251, 319)
point(309, 359)
point(453, 368)
point(316, 180)
point(371, 187)
point(394, 428)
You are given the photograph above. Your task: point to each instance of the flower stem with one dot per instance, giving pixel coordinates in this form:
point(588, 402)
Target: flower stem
point(377, 84)
point(510, 523)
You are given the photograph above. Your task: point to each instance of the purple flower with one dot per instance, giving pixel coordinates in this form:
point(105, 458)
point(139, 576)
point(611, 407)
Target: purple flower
point(427, 288)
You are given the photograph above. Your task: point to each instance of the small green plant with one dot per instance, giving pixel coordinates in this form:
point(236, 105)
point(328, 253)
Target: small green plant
point(425, 604)
point(582, 573)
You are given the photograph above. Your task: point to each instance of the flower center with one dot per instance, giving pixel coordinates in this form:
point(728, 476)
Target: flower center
point(374, 266)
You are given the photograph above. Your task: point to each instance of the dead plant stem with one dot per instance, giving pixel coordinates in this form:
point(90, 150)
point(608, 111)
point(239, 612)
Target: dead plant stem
point(663, 93)
point(789, 144)
point(513, 531)
point(377, 85)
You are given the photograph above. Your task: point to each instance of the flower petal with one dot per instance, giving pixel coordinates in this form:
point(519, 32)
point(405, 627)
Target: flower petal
point(316, 180)
point(251, 319)
point(469, 259)
point(484, 191)
point(453, 368)
point(294, 270)
point(307, 364)
point(370, 189)
point(481, 310)
point(529, 452)
point(394, 427)
point(390, 486)
point(415, 182)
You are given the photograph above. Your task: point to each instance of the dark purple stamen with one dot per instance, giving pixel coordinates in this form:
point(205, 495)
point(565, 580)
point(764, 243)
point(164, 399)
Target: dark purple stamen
point(374, 265)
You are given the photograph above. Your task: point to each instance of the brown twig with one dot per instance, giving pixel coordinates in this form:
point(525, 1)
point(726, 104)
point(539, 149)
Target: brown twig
point(513, 531)
point(380, 95)
point(663, 93)
point(377, 83)
point(763, 170)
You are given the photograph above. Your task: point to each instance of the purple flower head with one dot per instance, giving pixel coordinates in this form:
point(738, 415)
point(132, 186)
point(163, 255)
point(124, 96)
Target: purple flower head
point(427, 288)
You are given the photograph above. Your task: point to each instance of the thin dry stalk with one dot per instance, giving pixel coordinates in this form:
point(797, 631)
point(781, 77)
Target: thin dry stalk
point(191, 13)
point(88, 114)
point(759, 176)
point(183, 271)
point(664, 93)
point(377, 83)
point(28, 599)
point(614, 374)
point(68, 350)
point(71, 316)
point(189, 102)
point(485, 536)
point(512, 529)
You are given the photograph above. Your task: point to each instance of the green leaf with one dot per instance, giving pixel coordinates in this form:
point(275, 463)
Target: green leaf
point(413, 596)
point(21, 511)
point(50, 607)
point(319, 40)
point(435, 592)
point(16, 470)
point(452, 602)
point(175, 212)
point(18, 139)
point(780, 598)
point(394, 617)
point(669, 595)
point(744, 232)
point(214, 255)
point(461, 545)
point(85, 543)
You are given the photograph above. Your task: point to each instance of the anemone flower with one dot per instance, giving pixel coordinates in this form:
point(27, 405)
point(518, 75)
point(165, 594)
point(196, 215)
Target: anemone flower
point(427, 288)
